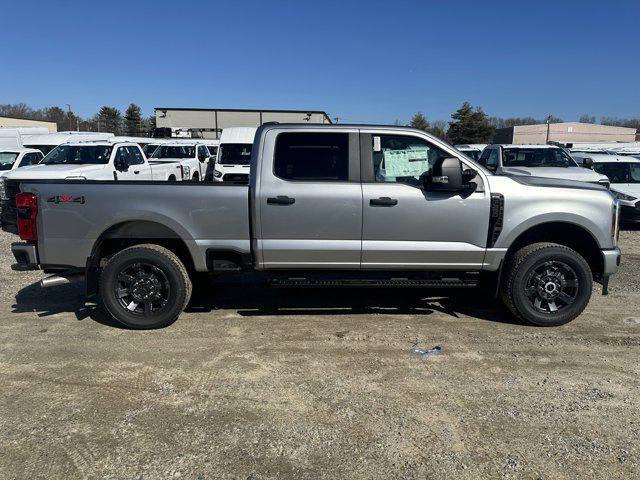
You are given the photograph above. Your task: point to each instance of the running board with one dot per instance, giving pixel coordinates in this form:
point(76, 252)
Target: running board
point(465, 281)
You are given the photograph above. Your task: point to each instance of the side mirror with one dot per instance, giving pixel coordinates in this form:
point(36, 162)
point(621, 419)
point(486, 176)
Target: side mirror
point(587, 163)
point(120, 164)
point(447, 176)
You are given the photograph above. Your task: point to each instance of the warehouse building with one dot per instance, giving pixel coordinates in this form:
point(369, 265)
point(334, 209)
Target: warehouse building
point(209, 122)
point(566, 132)
point(22, 122)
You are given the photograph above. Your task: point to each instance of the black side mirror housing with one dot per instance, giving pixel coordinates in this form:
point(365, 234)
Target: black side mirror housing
point(120, 165)
point(587, 163)
point(447, 176)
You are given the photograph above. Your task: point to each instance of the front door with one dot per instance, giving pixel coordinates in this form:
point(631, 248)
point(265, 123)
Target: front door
point(406, 227)
point(310, 200)
point(137, 167)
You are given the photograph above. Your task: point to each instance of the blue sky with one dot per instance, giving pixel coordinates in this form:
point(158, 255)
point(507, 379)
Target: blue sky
point(363, 61)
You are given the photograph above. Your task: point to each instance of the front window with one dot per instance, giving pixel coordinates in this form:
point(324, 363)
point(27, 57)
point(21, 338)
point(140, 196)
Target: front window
point(235, 154)
point(45, 149)
point(78, 155)
point(7, 159)
point(174, 151)
point(536, 157)
point(619, 172)
point(403, 159)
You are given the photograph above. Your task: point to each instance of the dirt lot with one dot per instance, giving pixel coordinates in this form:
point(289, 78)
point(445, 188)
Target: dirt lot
point(263, 383)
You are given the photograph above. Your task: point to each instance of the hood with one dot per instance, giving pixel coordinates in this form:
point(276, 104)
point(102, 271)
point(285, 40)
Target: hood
point(52, 172)
point(569, 173)
point(632, 189)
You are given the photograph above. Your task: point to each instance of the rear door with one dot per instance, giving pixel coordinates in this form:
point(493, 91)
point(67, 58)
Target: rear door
point(137, 169)
point(406, 227)
point(310, 200)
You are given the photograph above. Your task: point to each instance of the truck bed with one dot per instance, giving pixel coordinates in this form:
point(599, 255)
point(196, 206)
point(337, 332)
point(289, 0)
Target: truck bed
point(72, 215)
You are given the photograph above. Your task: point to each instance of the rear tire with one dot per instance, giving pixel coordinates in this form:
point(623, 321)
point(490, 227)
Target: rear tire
point(196, 177)
point(546, 284)
point(172, 178)
point(144, 287)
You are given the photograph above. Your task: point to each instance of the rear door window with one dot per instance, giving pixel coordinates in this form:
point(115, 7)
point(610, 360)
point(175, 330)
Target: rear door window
point(312, 157)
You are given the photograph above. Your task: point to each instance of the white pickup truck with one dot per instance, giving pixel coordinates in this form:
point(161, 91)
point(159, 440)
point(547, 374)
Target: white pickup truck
point(97, 160)
point(189, 158)
point(12, 158)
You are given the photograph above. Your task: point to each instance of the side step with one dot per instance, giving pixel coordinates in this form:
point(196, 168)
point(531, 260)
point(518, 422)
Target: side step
point(466, 280)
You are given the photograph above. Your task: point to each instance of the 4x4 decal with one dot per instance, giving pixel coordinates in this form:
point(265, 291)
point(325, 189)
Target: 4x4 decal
point(65, 199)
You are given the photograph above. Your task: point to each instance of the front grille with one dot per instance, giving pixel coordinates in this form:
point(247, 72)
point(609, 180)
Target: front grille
point(236, 177)
point(8, 216)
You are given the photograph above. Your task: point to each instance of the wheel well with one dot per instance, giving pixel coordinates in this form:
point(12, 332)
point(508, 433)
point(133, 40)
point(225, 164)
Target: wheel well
point(567, 234)
point(127, 234)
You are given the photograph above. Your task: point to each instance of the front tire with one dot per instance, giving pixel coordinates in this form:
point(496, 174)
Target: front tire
point(546, 284)
point(144, 287)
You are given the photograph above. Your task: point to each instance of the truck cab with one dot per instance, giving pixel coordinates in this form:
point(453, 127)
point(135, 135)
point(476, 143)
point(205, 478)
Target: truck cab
point(90, 160)
point(189, 157)
point(234, 155)
point(47, 142)
point(546, 161)
point(13, 158)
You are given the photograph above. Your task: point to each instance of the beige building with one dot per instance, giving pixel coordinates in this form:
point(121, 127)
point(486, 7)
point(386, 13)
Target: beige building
point(209, 122)
point(19, 122)
point(566, 132)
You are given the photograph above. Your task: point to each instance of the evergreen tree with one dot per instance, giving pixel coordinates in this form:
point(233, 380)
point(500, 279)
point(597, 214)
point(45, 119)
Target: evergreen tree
point(109, 119)
point(420, 122)
point(133, 120)
point(470, 126)
point(587, 119)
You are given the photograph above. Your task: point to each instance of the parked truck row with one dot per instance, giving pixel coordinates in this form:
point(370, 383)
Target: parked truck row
point(325, 205)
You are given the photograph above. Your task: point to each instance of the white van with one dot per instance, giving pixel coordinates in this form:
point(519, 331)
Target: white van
point(46, 143)
point(234, 155)
point(13, 137)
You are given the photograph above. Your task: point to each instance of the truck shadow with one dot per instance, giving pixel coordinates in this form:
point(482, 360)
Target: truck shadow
point(250, 298)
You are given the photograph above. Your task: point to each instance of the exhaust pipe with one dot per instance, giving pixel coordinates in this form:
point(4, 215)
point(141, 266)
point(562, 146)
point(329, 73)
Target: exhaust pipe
point(55, 280)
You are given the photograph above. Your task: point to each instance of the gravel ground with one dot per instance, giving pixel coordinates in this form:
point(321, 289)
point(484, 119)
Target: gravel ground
point(262, 383)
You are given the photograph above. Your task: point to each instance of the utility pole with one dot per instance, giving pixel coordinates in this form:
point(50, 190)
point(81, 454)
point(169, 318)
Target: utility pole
point(69, 117)
point(548, 126)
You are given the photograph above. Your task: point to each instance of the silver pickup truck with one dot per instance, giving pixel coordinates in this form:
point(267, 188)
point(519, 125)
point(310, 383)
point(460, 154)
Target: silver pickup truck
point(326, 205)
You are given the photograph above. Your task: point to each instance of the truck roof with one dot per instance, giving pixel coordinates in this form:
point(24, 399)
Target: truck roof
point(63, 137)
point(604, 158)
point(19, 150)
point(238, 135)
point(515, 145)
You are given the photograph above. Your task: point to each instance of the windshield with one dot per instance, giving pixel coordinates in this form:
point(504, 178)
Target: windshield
point(7, 160)
point(536, 157)
point(149, 149)
point(619, 172)
point(235, 154)
point(43, 148)
point(78, 155)
point(174, 151)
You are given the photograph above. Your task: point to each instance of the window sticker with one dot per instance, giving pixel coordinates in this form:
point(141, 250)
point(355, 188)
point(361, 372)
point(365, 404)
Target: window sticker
point(376, 144)
point(406, 163)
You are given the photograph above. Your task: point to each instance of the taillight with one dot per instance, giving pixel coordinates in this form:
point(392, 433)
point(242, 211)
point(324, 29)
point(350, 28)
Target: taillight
point(27, 208)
